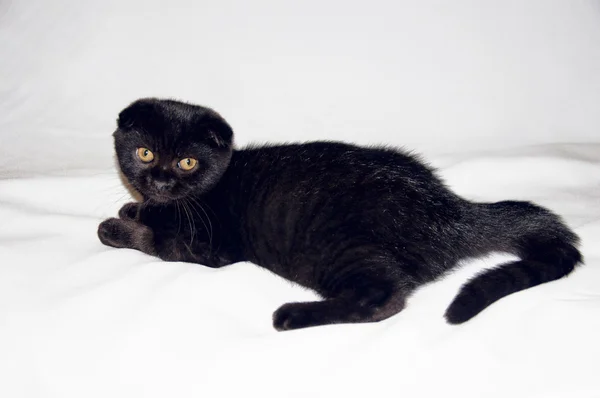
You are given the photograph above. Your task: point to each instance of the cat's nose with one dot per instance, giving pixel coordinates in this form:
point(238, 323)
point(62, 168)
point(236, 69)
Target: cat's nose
point(163, 185)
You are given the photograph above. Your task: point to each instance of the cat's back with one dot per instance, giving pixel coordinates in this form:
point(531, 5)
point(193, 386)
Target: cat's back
point(328, 160)
point(326, 176)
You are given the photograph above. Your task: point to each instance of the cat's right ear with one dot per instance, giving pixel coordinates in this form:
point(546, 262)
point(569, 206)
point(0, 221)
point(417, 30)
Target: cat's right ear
point(135, 114)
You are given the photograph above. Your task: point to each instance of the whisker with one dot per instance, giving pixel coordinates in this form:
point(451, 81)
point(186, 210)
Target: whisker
point(178, 217)
point(120, 198)
point(191, 207)
point(209, 229)
point(185, 209)
point(193, 222)
point(199, 200)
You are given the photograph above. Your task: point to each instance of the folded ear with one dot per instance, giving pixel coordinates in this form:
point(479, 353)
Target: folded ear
point(140, 110)
point(219, 131)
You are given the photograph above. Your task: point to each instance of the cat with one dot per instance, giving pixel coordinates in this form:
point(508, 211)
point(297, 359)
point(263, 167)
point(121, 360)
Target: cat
point(361, 226)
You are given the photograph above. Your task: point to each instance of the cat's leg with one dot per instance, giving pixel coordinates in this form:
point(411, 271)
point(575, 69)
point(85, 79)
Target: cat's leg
point(126, 233)
point(366, 297)
point(129, 211)
point(200, 254)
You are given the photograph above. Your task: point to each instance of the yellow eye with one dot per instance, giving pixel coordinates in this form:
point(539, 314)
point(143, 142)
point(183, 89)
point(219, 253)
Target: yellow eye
point(145, 155)
point(187, 164)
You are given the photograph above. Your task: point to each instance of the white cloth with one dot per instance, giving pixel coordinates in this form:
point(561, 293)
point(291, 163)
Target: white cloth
point(502, 96)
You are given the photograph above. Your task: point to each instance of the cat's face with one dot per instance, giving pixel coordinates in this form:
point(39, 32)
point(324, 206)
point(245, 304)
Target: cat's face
point(169, 150)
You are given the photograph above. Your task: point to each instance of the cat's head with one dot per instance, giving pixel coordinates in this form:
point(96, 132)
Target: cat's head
point(169, 149)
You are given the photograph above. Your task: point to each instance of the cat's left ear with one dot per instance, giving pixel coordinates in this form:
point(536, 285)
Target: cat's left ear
point(219, 131)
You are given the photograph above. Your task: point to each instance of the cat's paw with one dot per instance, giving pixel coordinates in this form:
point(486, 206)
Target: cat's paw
point(293, 316)
point(129, 211)
point(115, 232)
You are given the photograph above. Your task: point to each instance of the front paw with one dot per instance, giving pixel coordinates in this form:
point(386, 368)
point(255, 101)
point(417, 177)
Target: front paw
point(129, 211)
point(115, 232)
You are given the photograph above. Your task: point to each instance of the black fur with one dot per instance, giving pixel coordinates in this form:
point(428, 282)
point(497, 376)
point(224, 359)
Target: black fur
point(363, 227)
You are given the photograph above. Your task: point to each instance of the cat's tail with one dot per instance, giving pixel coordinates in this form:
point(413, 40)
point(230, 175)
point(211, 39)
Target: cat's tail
point(546, 246)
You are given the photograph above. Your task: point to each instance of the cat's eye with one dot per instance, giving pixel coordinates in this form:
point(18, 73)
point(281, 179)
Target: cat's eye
point(145, 155)
point(187, 164)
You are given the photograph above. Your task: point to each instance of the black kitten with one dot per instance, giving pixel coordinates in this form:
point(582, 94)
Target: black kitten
point(363, 227)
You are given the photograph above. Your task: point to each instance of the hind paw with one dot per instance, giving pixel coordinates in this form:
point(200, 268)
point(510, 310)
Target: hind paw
point(293, 316)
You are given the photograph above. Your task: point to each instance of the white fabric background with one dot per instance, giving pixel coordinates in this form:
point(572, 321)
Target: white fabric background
point(502, 96)
point(432, 75)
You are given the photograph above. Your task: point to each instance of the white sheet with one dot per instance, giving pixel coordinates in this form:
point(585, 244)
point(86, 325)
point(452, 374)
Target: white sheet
point(502, 95)
point(80, 319)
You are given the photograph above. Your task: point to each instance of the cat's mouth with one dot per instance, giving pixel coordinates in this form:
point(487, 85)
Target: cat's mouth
point(154, 195)
point(162, 197)
point(158, 194)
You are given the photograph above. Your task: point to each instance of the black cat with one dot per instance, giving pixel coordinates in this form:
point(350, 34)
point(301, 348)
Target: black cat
point(363, 227)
